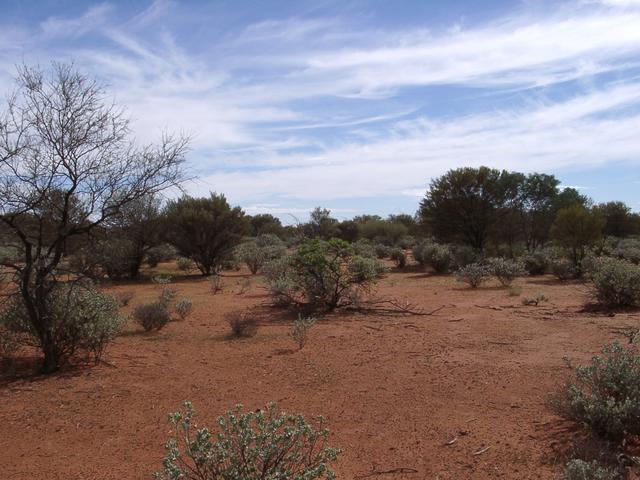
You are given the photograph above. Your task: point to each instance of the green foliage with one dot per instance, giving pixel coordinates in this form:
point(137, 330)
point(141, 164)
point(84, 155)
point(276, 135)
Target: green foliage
point(535, 263)
point(605, 395)
point(184, 264)
point(255, 253)
point(398, 256)
point(576, 229)
point(439, 257)
point(160, 253)
point(473, 274)
point(327, 272)
point(382, 231)
point(152, 316)
point(206, 230)
point(563, 268)
point(81, 318)
point(364, 248)
point(300, 330)
point(260, 445)
point(506, 270)
point(580, 470)
point(183, 307)
point(382, 250)
point(616, 282)
point(10, 343)
point(465, 204)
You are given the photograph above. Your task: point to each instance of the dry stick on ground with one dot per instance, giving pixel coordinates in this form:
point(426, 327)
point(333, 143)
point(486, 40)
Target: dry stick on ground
point(392, 306)
point(375, 471)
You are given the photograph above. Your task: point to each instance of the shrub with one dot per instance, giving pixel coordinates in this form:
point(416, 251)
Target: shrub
point(216, 283)
point(167, 294)
point(535, 263)
point(183, 308)
point(464, 255)
point(264, 444)
point(326, 272)
point(184, 264)
point(161, 253)
point(82, 319)
point(563, 269)
point(398, 256)
point(10, 343)
point(300, 330)
point(473, 274)
point(505, 270)
point(439, 257)
point(382, 251)
point(364, 248)
point(124, 297)
point(406, 243)
point(534, 301)
point(616, 282)
point(152, 316)
point(581, 470)
point(242, 324)
point(605, 395)
point(255, 253)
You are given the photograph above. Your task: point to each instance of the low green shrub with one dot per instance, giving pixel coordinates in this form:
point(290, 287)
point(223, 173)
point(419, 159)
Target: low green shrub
point(300, 330)
point(604, 396)
point(563, 268)
point(616, 282)
point(255, 253)
point(183, 308)
point(398, 256)
point(82, 319)
point(152, 316)
point(506, 270)
point(535, 263)
point(580, 470)
point(264, 444)
point(382, 251)
point(473, 274)
point(185, 264)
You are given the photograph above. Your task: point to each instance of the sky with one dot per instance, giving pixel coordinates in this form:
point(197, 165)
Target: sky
point(355, 105)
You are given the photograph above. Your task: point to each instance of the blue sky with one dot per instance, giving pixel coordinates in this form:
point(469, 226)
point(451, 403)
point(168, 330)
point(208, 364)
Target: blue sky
point(356, 105)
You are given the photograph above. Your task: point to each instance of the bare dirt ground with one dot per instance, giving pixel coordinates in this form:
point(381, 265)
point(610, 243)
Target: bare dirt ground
point(395, 389)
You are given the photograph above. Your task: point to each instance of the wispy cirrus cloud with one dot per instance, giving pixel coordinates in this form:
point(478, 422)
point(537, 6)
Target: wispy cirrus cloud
point(321, 107)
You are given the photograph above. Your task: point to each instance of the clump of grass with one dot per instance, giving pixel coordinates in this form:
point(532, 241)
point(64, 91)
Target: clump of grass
point(534, 301)
point(300, 330)
point(242, 324)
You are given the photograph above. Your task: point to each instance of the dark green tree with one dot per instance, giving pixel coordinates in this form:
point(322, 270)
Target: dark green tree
point(206, 230)
point(577, 228)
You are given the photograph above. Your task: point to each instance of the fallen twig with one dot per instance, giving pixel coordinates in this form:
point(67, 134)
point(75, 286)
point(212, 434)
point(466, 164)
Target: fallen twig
point(374, 472)
point(481, 451)
point(452, 441)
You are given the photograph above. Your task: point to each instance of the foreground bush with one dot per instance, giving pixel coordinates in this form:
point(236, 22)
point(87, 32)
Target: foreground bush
point(439, 257)
point(605, 395)
point(473, 274)
point(152, 316)
point(506, 270)
point(581, 470)
point(616, 282)
point(300, 330)
point(81, 319)
point(183, 308)
point(242, 324)
point(264, 444)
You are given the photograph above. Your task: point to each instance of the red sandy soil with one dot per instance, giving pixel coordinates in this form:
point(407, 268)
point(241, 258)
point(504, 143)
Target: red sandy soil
point(395, 389)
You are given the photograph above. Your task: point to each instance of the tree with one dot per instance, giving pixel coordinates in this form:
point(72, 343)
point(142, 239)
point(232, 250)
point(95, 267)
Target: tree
point(321, 224)
point(265, 223)
point(67, 167)
point(206, 230)
point(137, 228)
point(577, 228)
point(539, 192)
point(464, 204)
point(618, 219)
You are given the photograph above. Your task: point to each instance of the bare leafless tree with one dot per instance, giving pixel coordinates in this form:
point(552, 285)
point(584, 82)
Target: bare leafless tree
point(68, 164)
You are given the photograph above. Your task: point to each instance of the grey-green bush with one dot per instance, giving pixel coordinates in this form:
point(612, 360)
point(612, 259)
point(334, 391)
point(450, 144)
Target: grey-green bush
point(183, 307)
point(535, 263)
point(300, 330)
point(506, 270)
point(152, 316)
point(616, 282)
point(398, 256)
point(82, 319)
point(580, 470)
point(265, 444)
point(563, 268)
point(604, 396)
point(473, 274)
point(255, 253)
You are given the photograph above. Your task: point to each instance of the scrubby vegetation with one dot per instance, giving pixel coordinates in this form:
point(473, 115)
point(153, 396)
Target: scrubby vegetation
point(263, 444)
point(473, 274)
point(616, 282)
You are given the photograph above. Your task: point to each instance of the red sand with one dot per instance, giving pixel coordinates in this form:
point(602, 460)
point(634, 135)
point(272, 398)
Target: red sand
point(394, 389)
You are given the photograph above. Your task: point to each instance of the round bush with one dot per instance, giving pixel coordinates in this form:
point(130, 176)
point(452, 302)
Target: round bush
point(505, 270)
point(473, 274)
point(152, 316)
point(616, 282)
